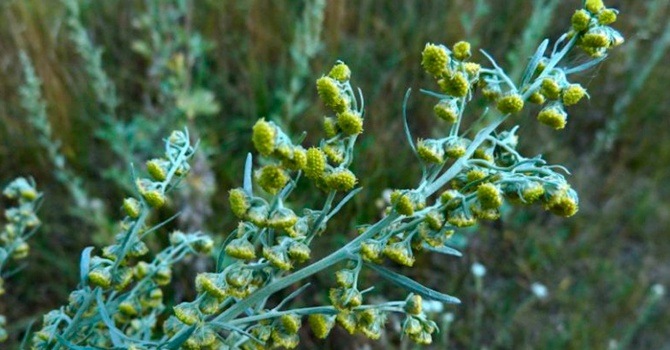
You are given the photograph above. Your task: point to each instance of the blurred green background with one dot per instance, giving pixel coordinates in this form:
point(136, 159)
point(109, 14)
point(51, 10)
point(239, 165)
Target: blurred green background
point(216, 66)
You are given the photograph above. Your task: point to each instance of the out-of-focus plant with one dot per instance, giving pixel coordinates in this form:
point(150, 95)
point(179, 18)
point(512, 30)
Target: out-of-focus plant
point(22, 222)
point(88, 208)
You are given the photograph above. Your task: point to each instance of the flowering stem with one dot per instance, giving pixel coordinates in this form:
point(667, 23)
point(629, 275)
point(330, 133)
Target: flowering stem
point(281, 283)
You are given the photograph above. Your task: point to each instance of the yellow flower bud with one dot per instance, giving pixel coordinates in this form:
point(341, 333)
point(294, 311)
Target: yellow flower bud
point(297, 160)
point(340, 180)
point(400, 252)
point(330, 127)
point(154, 198)
point(563, 203)
point(277, 257)
point(472, 69)
point(371, 250)
point(131, 207)
point(157, 168)
point(512, 103)
point(412, 326)
point(345, 299)
point(489, 196)
point(21, 251)
point(241, 248)
point(282, 218)
point(435, 220)
point(340, 72)
point(455, 148)
point(459, 218)
point(239, 202)
point(553, 116)
point(446, 111)
point(580, 20)
point(370, 322)
point(291, 323)
point(238, 278)
point(594, 6)
point(536, 98)
point(595, 39)
point(316, 163)
point(348, 321)
point(163, 276)
point(101, 277)
point(475, 175)
point(431, 151)
point(607, 17)
point(345, 278)
point(462, 50)
point(335, 153)
point(422, 338)
point(299, 251)
point(208, 282)
point(532, 192)
point(128, 308)
point(321, 324)
point(455, 84)
point(264, 137)
point(573, 94)
point(550, 89)
point(413, 304)
point(187, 313)
point(350, 123)
point(330, 95)
point(402, 203)
point(209, 305)
point(272, 178)
point(434, 59)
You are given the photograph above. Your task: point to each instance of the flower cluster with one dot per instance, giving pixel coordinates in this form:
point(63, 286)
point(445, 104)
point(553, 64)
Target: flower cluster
point(121, 289)
point(465, 179)
point(21, 224)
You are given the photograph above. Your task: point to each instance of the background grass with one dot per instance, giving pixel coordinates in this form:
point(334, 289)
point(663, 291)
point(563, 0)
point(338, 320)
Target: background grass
point(599, 266)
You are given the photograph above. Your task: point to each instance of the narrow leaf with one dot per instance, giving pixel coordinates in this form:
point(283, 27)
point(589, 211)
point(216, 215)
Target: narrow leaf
point(247, 175)
point(84, 263)
point(442, 250)
point(412, 285)
point(534, 62)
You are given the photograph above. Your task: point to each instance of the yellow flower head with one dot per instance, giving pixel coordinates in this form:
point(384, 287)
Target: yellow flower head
point(340, 72)
point(321, 324)
point(340, 180)
point(573, 94)
point(350, 122)
point(434, 59)
point(272, 178)
point(511, 103)
point(462, 50)
point(316, 163)
point(553, 116)
point(264, 137)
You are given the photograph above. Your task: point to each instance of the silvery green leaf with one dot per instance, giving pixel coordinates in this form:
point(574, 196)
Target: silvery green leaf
point(443, 250)
point(247, 175)
point(84, 264)
point(534, 62)
point(412, 285)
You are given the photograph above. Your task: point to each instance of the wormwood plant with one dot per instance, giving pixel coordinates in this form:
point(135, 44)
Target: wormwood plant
point(467, 175)
point(21, 224)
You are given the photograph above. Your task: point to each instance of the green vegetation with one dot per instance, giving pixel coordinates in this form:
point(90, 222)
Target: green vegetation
point(92, 89)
